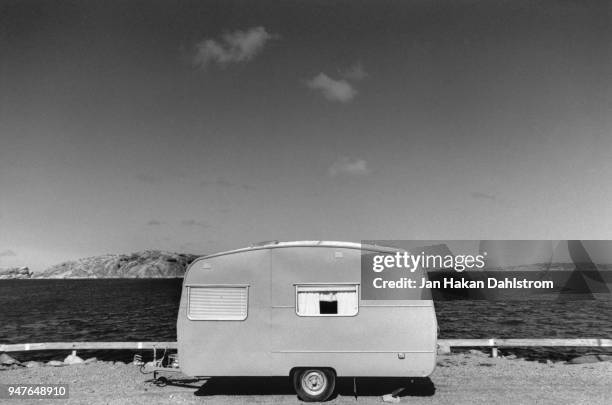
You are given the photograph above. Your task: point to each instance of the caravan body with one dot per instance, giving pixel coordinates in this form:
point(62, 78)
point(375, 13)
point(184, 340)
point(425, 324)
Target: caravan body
point(268, 310)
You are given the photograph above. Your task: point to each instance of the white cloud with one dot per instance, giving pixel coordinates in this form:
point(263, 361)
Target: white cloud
point(333, 90)
point(355, 72)
point(347, 166)
point(233, 47)
point(7, 253)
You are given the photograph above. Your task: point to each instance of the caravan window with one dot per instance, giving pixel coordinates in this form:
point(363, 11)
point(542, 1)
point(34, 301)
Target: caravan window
point(327, 299)
point(218, 303)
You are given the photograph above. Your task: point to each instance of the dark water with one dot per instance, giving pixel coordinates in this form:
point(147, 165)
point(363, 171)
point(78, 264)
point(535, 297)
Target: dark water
point(145, 310)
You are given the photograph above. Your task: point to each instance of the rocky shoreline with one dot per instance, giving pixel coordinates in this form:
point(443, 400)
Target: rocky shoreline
point(8, 362)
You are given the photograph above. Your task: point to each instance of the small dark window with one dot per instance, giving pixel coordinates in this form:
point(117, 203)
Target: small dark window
point(328, 307)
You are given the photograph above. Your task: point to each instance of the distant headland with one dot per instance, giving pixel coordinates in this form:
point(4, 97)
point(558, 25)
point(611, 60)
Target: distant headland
point(146, 264)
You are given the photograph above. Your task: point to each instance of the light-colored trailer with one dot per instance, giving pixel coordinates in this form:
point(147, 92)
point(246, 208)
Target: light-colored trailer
point(294, 308)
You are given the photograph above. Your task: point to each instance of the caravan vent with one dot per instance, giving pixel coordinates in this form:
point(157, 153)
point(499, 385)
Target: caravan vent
point(218, 303)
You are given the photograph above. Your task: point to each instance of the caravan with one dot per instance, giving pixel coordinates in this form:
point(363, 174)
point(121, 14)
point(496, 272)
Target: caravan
point(295, 309)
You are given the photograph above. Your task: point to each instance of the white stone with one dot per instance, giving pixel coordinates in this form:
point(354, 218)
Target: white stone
point(391, 399)
point(73, 359)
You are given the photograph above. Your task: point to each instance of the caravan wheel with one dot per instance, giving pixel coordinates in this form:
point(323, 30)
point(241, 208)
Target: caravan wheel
point(314, 384)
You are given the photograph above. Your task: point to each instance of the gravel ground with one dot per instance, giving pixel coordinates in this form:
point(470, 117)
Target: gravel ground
point(467, 378)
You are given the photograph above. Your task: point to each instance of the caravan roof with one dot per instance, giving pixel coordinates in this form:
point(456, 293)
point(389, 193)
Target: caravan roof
point(307, 243)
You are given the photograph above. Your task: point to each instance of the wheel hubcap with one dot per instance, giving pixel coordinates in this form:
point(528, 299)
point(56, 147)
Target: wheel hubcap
point(314, 382)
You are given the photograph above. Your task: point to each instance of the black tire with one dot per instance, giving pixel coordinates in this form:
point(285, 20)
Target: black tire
point(314, 384)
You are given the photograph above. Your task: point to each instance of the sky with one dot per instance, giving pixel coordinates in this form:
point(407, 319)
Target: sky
point(201, 126)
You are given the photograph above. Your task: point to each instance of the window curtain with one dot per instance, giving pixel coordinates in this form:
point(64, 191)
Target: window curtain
point(347, 302)
point(308, 303)
point(327, 296)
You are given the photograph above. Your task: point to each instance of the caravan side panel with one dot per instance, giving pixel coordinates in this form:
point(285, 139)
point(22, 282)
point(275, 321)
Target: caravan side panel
point(224, 316)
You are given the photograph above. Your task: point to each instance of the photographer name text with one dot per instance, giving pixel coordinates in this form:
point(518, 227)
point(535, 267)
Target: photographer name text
point(447, 283)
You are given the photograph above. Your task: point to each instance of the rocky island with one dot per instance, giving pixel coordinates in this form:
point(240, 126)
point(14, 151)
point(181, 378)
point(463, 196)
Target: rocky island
point(146, 264)
point(15, 272)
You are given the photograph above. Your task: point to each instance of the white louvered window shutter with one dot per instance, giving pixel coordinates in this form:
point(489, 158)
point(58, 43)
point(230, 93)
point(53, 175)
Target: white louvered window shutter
point(218, 303)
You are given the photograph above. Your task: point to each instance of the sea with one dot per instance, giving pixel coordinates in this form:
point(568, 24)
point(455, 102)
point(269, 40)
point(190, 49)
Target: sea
point(59, 310)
